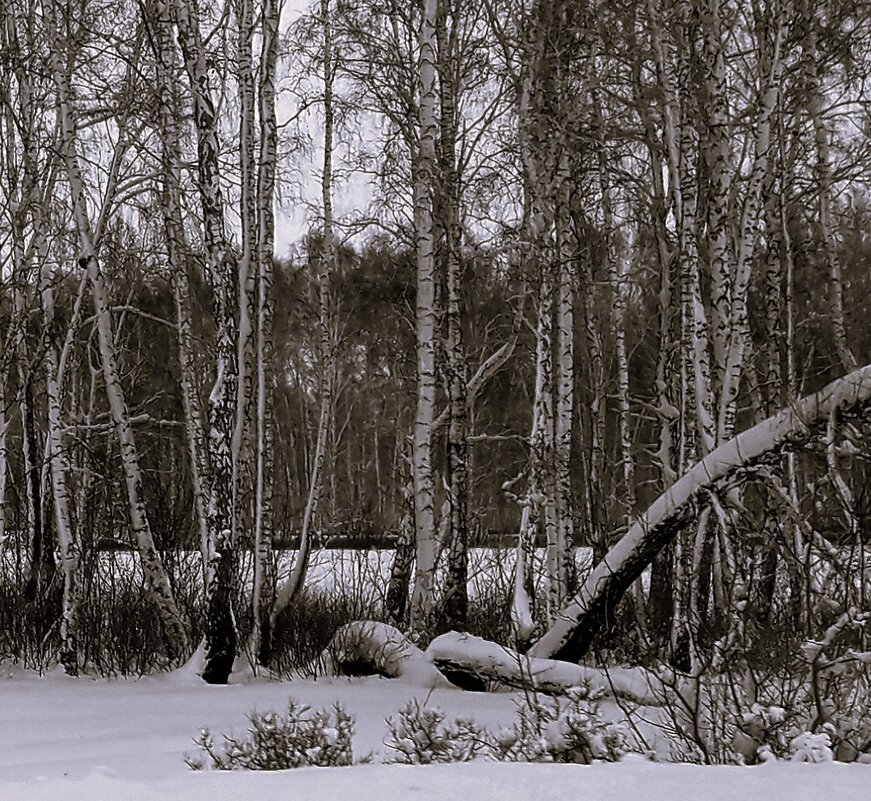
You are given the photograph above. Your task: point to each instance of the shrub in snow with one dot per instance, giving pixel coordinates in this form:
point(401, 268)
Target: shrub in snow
point(563, 729)
point(807, 747)
point(764, 733)
point(420, 735)
point(300, 738)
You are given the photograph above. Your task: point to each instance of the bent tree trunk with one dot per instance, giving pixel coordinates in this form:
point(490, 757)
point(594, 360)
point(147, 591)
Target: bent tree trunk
point(570, 636)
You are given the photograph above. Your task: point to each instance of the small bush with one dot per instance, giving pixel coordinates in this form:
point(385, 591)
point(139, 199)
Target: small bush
point(564, 729)
point(300, 738)
point(419, 735)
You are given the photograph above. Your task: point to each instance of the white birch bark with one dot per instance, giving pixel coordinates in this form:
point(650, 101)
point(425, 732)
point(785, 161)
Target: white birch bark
point(561, 561)
point(455, 601)
point(325, 263)
point(718, 157)
point(812, 74)
point(423, 595)
point(247, 264)
point(170, 201)
point(221, 639)
point(739, 329)
point(59, 467)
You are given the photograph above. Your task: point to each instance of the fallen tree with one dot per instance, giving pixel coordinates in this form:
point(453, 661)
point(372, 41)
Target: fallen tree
point(365, 646)
point(457, 654)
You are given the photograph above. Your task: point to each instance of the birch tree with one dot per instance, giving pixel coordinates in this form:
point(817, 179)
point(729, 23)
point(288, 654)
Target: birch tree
point(220, 638)
point(159, 587)
point(264, 581)
point(325, 262)
point(424, 162)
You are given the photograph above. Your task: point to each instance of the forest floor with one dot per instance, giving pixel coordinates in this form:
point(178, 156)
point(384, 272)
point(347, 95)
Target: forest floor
point(65, 739)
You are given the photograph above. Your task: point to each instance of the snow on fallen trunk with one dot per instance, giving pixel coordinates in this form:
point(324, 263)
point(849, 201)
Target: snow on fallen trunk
point(570, 635)
point(365, 647)
point(487, 661)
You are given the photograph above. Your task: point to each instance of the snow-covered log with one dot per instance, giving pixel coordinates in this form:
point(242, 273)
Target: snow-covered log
point(571, 634)
point(368, 647)
point(487, 661)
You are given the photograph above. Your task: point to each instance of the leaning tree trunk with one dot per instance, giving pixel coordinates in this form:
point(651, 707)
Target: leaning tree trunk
point(160, 589)
point(570, 637)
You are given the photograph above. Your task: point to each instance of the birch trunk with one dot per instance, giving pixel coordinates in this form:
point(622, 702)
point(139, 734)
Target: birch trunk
point(220, 634)
point(170, 200)
point(617, 279)
point(739, 329)
point(325, 263)
point(455, 601)
point(560, 551)
point(813, 70)
point(423, 596)
point(718, 157)
point(264, 579)
point(59, 467)
point(247, 264)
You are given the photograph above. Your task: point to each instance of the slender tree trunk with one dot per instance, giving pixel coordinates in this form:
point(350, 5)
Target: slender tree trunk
point(564, 385)
point(455, 601)
point(176, 253)
point(59, 467)
point(617, 279)
point(739, 329)
point(718, 157)
point(812, 70)
point(403, 560)
point(247, 264)
point(423, 596)
point(264, 578)
point(325, 262)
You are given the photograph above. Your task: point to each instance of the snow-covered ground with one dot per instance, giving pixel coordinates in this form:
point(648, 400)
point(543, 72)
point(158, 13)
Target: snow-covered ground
point(65, 739)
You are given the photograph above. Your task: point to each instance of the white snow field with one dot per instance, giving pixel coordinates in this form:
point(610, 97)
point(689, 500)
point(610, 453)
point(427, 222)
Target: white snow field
point(64, 739)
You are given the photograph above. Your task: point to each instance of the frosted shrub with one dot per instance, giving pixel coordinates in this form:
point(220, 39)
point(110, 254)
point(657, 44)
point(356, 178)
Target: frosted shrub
point(807, 747)
point(300, 738)
point(566, 729)
point(763, 733)
point(419, 735)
